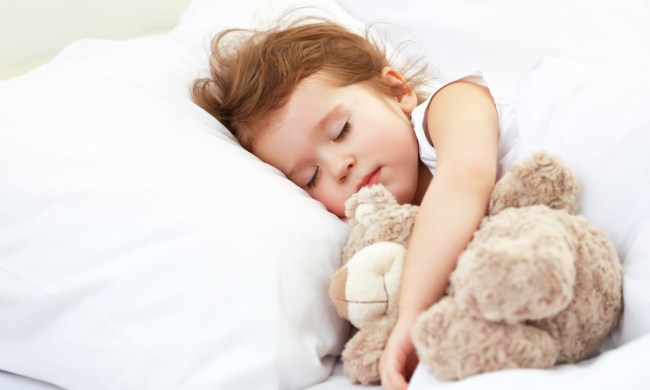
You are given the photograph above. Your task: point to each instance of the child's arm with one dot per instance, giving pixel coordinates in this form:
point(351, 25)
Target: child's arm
point(463, 126)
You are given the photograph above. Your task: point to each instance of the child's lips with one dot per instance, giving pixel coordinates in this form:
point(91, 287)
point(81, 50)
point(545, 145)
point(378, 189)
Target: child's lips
point(370, 179)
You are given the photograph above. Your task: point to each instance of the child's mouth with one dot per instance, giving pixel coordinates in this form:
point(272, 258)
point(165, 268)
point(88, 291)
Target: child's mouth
point(371, 179)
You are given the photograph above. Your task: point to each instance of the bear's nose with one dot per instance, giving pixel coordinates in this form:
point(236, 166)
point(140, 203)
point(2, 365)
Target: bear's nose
point(337, 292)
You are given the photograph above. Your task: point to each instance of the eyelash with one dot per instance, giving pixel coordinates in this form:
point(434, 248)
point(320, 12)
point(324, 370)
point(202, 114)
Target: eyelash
point(344, 131)
point(314, 179)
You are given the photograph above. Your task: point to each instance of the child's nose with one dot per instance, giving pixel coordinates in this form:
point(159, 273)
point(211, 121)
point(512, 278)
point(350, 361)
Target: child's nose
point(342, 167)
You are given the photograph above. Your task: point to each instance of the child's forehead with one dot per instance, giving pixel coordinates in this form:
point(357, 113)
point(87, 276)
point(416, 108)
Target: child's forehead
point(312, 92)
point(327, 80)
point(311, 85)
point(322, 78)
point(308, 99)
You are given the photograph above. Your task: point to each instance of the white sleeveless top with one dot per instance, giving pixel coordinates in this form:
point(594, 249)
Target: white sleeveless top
point(508, 134)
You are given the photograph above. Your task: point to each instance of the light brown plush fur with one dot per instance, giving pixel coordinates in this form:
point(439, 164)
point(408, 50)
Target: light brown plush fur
point(536, 286)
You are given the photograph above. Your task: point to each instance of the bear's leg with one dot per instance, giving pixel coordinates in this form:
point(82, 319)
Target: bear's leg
point(453, 344)
point(528, 275)
point(361, 355)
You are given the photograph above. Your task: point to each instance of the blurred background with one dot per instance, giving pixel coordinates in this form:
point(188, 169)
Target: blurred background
point(33, 31)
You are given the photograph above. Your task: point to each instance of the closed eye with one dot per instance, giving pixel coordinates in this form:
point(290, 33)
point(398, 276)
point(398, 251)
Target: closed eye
point(314, 179)
point(344, 131)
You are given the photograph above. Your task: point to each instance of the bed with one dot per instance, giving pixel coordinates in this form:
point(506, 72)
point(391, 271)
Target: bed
point(142, 248)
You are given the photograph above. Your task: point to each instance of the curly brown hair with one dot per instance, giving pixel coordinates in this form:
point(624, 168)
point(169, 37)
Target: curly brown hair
point(253, 75)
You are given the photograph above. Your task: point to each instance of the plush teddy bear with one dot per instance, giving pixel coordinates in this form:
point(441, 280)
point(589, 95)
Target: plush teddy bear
point(537, 285)
point(364, 290)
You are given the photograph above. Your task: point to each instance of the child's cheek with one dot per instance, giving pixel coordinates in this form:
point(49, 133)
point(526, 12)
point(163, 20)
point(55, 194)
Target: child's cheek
point(334, 201)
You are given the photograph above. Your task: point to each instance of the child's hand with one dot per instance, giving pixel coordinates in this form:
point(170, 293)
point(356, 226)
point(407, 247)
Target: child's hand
point(399, 359)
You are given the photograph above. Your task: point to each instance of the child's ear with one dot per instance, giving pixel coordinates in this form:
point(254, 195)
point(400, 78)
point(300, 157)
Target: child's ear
point(402, 92)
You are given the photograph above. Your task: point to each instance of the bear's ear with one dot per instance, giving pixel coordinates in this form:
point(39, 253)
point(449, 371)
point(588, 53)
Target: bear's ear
point(367, 201)
point(540, 178)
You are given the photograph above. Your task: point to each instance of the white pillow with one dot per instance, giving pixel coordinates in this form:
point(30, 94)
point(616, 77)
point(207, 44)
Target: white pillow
point(140, 246)
point(508, 38)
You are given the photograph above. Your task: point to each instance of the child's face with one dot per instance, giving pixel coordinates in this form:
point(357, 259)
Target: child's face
point(332, 141)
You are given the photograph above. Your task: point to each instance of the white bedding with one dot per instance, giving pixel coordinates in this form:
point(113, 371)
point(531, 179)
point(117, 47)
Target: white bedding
point(621, 368)
point(141, 248)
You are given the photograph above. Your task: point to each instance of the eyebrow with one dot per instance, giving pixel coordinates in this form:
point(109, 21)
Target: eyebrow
point(328, 117)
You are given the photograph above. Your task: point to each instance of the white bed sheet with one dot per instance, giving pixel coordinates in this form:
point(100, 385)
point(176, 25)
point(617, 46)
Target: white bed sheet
point(621, 368)
point(338, 381)
point(9, 381)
